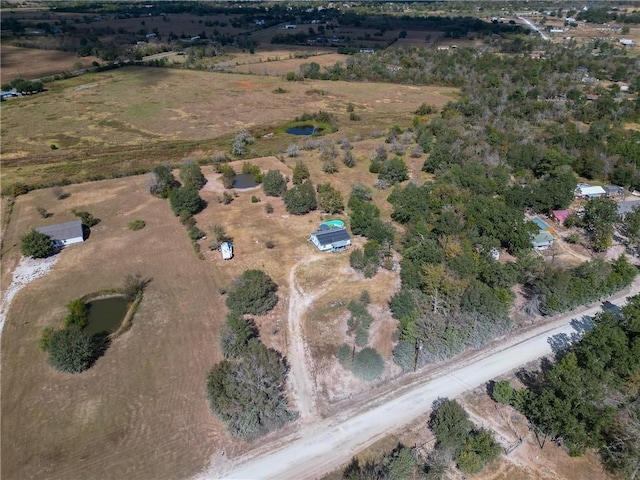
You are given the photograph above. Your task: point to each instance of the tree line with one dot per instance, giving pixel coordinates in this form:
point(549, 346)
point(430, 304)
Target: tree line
point(588, 398)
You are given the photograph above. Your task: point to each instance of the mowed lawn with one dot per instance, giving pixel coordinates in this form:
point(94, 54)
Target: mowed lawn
point(141, 411)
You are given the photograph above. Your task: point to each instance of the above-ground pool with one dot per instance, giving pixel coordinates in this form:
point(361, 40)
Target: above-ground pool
point(540, 223)
point(332, 224)
point(302, 130)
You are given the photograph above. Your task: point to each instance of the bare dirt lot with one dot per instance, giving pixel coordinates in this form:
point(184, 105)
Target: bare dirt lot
point(16, 62)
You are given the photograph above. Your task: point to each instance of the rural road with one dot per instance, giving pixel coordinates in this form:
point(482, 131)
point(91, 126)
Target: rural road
point(326, 445)
point(533, 27)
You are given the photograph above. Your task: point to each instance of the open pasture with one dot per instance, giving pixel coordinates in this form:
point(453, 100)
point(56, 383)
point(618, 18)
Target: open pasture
point(114, 122)
point(141, 411)
point(16, 62)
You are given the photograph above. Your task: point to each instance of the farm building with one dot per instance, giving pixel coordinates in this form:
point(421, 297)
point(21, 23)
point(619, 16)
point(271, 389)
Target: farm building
point(226, 249)
point(614, 190)
point(64, 234)
point(589, 191)
point(542, 240)
point(561, 216)
point(334, 239)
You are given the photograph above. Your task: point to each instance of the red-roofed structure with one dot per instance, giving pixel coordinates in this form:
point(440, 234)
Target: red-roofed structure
point(561, 216)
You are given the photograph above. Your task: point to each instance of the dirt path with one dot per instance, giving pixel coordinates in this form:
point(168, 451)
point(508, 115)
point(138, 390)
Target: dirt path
point(326, 444)
point(301, 381)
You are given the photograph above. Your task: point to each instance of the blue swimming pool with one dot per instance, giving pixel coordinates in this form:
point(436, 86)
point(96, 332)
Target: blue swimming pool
point(540, 223)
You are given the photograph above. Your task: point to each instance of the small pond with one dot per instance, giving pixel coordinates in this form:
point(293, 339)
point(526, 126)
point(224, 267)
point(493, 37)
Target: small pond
point(244, 180)
point(303, 130)
point(106, 315)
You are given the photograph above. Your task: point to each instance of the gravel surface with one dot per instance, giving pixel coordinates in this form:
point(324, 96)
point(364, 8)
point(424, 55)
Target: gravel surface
point(26, 272)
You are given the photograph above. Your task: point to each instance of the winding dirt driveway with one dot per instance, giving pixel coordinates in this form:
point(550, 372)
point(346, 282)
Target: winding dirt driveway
point(322, 445)
point(300, 378)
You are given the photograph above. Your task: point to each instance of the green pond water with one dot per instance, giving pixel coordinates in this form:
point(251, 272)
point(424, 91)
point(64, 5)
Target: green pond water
point(106, 315)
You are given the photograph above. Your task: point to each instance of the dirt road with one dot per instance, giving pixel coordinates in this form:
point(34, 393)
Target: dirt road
point(299, 376)
point(321, 447)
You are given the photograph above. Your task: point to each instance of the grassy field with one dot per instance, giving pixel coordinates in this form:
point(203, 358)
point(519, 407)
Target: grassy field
point(116, 122)
point(16, 62)
point(138, 411)
point(141, 411)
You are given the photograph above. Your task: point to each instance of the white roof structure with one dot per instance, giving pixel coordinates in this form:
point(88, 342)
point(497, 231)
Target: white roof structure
point(590, 191)
point(226, 249)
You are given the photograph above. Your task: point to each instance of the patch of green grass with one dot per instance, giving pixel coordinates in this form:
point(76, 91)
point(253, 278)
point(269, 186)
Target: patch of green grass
point(136, 225)
point(122, 127)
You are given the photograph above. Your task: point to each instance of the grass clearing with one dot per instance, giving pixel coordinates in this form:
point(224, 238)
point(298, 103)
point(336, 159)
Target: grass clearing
point(167, 115)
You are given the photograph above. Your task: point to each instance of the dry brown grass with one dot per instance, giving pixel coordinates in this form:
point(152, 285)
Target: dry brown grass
point(16, 62)
point(138, 117)
point(141, 410)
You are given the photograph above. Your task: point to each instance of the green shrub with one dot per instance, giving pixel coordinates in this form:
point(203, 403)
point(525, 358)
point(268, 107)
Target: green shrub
point(255, 199)
point(274, 184)
point(502, 392)
point(253, 292)
point(195, 233)
point(345, 356)
point(36, 245)
point(43, 343)
point(71, 350)
point(191, 175)
point(300, 199)
point(77, 314)
point(136, 225)
point(87, 219)
point(185, 199)
point(236, 335)
point(368, 364)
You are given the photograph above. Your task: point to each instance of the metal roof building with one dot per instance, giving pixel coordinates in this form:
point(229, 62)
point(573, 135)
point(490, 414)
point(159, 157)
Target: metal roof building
point(63, 234)
point(334, 239)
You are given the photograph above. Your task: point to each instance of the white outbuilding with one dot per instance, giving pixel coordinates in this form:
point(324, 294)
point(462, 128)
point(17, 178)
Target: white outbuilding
point(63, 234)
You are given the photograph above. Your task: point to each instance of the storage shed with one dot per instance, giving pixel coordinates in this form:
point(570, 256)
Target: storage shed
point(63, 234)
point(226, 249)
point(334, 239)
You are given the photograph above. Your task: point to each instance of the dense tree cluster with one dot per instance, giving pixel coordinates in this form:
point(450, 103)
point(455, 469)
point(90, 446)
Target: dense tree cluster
point(457, 438)
point(589, 397)
point(252, 292)
point(247, 389)
point(560, 289)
